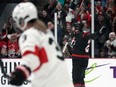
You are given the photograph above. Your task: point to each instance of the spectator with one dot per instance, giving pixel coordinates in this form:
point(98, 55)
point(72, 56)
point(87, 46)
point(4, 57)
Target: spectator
point(70, 10)
point(10, 26)
point(3, 49)
point(86, 27)
point(104, 15)
point(114, 25)
point(50, 6)
point(68, 29)
point(4, 32)
point(66, 7)
point(70, 16)
point(110, 3)
point(103, 53)
point(50, 26)
point(62, 2)
point(61, 14)
point(111, 13)
point(45, 17)
point(110, 44)
point(13, 47)
point(102, 20)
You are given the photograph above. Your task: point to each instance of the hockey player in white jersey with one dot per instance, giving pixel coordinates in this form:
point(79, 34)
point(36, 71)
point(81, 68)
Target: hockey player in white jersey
point(40, 53)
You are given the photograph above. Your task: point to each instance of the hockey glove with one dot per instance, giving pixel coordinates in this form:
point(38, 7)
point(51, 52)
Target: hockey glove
point(19, 75)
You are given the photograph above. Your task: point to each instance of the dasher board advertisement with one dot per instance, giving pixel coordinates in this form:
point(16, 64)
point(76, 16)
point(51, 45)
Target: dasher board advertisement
point(9, 65)
point(100, 72)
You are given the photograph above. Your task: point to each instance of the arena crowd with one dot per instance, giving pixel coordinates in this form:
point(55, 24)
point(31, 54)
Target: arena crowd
point(70, 15)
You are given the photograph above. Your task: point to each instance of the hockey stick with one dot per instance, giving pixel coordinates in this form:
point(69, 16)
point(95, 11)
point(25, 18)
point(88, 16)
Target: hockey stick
point(100, 31)
point(65, 46)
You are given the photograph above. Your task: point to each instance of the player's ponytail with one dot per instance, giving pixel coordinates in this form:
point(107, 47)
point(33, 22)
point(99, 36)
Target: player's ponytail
point(38, 24)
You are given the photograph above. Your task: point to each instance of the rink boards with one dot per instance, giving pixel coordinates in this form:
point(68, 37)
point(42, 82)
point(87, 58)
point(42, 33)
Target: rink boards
point(100, 72)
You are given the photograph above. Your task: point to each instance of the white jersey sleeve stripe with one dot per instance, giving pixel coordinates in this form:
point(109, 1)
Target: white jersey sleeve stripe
point(42, 57)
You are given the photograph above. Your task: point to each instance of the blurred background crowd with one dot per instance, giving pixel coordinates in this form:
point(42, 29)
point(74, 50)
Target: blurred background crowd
point(70, 15)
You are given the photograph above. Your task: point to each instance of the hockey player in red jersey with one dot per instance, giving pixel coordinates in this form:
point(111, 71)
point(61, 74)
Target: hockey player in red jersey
point(40, 53)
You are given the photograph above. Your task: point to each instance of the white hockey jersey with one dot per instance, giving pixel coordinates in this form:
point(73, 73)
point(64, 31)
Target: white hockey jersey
point(41, 53)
